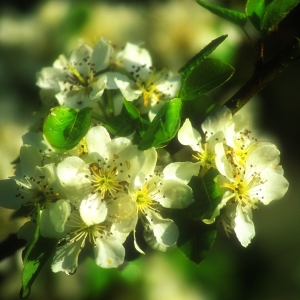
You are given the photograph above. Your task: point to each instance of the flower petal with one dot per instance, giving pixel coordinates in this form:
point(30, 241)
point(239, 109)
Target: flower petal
point(175, 194)
point(66, 257)
point(187, 135)
point(181, 171)
point(109, 252)
point(244, 227)
point(93, 210)
point(165, 230)
point(275, 186)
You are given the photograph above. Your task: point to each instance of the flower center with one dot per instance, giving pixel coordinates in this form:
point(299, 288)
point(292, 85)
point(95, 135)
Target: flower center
point(36, 191)
point(246, 191)
point(149, 84)
point(83, 230)
point(105, 181)
point(143, 199)
point(206, 157)
point(76, 77)
point(243, 147)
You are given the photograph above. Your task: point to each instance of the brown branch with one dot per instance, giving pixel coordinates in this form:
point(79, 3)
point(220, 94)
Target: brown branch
point(263, 74)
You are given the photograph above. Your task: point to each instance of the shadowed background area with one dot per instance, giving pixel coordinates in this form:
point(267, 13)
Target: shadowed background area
point(34, 33)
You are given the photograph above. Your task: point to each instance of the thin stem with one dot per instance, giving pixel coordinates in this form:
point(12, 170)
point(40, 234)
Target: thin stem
point(263, 74)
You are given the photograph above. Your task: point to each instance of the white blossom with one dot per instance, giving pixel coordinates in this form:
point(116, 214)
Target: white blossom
point(80, 80)
point(149, 196)
point(149, 87)
point(214, 130)
point(259, 179)
point(87, 226)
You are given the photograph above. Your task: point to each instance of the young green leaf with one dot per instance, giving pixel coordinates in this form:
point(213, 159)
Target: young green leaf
point(255, 10)
point(36, 255)
point(199, 57)
point(275, 12)
point(163, 127)
point(230, 15)
point(206, 76)
point(195, 237)
point(65, 127)
point(207, 196)
point(126, 122)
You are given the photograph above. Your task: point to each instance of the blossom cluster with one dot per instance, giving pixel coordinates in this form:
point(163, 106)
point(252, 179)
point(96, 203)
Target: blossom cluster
point(249, 169)
point(81, 80)
point(96, 194)
point(106, 188)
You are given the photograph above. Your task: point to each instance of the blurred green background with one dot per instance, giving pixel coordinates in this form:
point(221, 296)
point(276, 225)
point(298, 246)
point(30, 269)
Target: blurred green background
point(34, 33)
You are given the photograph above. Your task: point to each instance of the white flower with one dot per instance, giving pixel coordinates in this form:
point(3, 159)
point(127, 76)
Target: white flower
point(147, 199)
point(80, 79)
point(150, 86)
point(110, 165)
point(214, 128)
point(88, 225)
point(259, 180)
point(36, 185)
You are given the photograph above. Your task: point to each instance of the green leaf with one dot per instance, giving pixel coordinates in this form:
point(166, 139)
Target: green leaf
point(207, 196)
point(199, 57)
point(195, 237)
point(126, 122)
point(65, 127)
point(230, 15)
point(36, 255)
point(198, 109)
point(255, 10)
point(163, 127)
point(206, 76)
point(275, 12)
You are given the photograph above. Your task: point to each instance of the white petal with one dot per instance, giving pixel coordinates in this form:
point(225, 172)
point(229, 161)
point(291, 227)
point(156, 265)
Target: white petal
point(123, 213)
point(187, 135)
point(126, 90)
point(71, 173)
point(165, 230)
point(61, 62)
point(244, 227)
point(132, 159)
point(97, 88)
point(48, 227)
point(78, 57)
point(111, 76)
point(181, 171)
point(240, 122)
point(175, 194)
point(96, 139)
point(109, 252)
point(134, 55)
point(59, 213)
point(30, 158)
point(8, 199)
point(49, 77)
point(93, 210)
point(66, 257)
point(222, 163)
point(217, 121)
point(275, 185)
point(147, 168)
point(101, 55)
point(262, 157)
